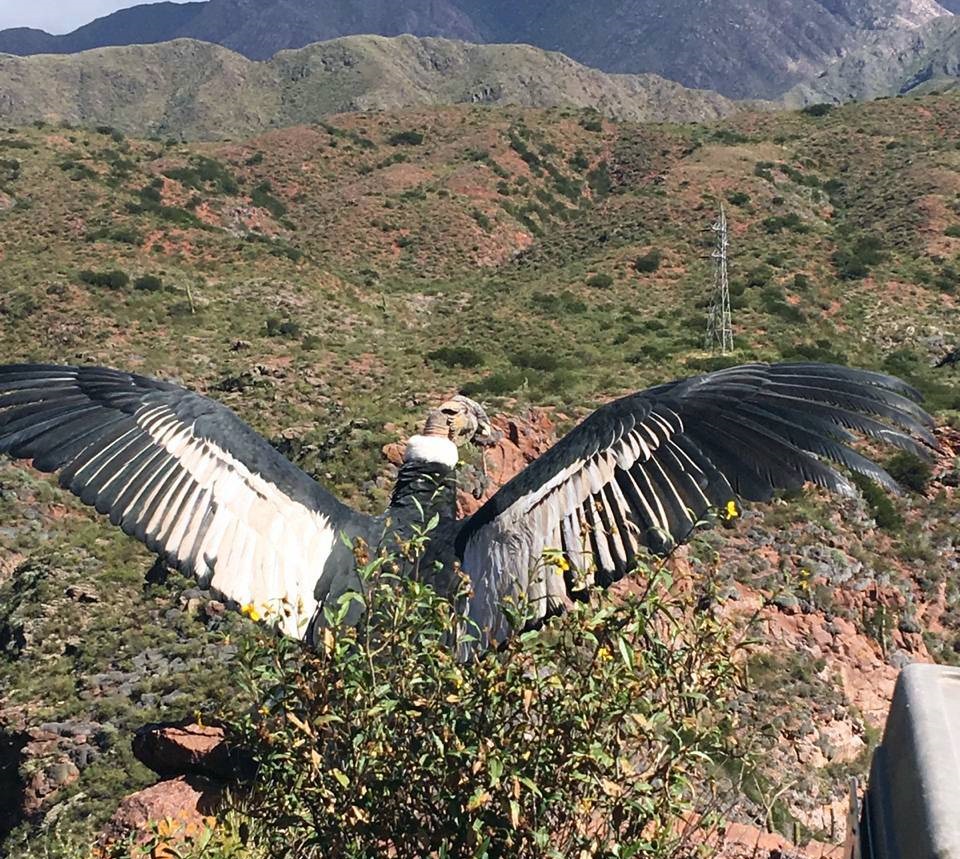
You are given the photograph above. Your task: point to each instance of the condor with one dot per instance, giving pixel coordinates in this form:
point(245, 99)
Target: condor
point(187, 477)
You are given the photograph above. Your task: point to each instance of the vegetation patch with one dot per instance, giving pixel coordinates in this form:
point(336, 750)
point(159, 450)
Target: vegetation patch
point(384, 742)
point(114, 279)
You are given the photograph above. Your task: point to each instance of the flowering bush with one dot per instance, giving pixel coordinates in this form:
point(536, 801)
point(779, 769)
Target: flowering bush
point(591, 737)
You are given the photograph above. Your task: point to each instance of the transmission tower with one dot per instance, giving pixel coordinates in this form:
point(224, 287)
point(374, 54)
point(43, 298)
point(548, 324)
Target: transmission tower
point(719, 323)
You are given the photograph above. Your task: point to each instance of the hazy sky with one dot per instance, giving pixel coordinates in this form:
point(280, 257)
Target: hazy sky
point(58, 16)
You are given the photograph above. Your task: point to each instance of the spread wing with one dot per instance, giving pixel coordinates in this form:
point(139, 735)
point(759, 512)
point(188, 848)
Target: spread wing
point(187, 477)
point(639, 473)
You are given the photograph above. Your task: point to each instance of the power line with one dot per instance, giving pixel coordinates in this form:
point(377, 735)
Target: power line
point(720, 322)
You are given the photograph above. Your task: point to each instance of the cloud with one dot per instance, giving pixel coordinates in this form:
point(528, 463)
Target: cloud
point(58, 16)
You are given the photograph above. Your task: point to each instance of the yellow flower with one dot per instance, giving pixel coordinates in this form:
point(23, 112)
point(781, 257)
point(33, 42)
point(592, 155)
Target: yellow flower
point(604, 654)
point(730, 512)
point(556, 558)
point(250, 610)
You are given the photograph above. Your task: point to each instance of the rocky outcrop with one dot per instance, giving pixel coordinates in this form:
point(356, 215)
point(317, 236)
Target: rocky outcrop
point(57, 752)
point(523, 439)
point(198, 764)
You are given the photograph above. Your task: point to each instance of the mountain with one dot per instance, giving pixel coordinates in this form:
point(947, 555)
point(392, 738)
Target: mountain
point(890, 63)
point(741, 48)
point(146, 24)
point(196, 89)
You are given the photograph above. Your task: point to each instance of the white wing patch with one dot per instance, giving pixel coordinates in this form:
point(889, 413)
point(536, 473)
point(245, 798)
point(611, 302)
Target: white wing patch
point(240, 534)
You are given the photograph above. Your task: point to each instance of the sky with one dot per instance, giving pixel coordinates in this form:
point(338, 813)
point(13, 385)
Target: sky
point(59, 16)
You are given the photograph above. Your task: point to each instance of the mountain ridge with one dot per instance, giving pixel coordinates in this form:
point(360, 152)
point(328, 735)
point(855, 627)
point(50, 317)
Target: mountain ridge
point(197, 90)
point(742, 48)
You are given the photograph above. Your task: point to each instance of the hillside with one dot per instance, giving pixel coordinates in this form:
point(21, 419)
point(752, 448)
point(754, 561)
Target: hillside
point(327, 281)
point(888, 64)
point(196, 90)
point(741, 48)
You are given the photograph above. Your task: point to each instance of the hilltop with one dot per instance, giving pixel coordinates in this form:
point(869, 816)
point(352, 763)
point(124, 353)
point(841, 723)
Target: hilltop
point(192, 89)
point(327, 280)
point(736, 47)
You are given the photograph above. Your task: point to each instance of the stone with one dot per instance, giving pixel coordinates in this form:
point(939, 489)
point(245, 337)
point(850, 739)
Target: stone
point(189, 749)
point(742, 841)
point(182, 807)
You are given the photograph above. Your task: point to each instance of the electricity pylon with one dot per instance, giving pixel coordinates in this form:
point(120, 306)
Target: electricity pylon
point(719, 322)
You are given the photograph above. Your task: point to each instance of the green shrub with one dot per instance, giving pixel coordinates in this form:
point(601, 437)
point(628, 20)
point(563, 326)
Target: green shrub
point(276, 327)
point(819, 109)
point(649, 262)
point(854, 261)
point(738, 198)
point(790, 221)
point(591, 737)
point(148, 283)
point(262, 196)
point(833, 187)
point(884, 513)
point(482, 220)
point(457, 356)
point(592, 122)
point(729, 137)
point(560, 303)
point(599, 180)
point(530, 359)
point(763, 169)
point(909, 470)
point(953, 231)
point(601, 280)
point(115, 279)
point(77, 170)
point(713, 362)
point(202, 173)
point(759, 276)
point(496, 384)
point(406, 138)
point(9, 169)
point(773, 300)
point(123, 235)
point(579, 161)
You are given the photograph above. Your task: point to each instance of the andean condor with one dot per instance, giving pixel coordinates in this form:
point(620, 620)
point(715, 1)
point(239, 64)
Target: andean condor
point(186, 476)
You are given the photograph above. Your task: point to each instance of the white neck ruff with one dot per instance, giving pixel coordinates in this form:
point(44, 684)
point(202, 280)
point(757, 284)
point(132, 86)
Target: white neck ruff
point(425, 448)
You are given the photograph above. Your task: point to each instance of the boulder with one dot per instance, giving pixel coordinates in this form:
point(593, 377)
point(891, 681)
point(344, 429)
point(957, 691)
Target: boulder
point(174, 810)
point(189, 749)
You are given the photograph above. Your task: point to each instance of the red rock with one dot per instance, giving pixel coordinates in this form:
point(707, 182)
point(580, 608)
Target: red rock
point(741, 841)
point(394, 453)
point(176, 810)
point(524, 439)
point(187, 750)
